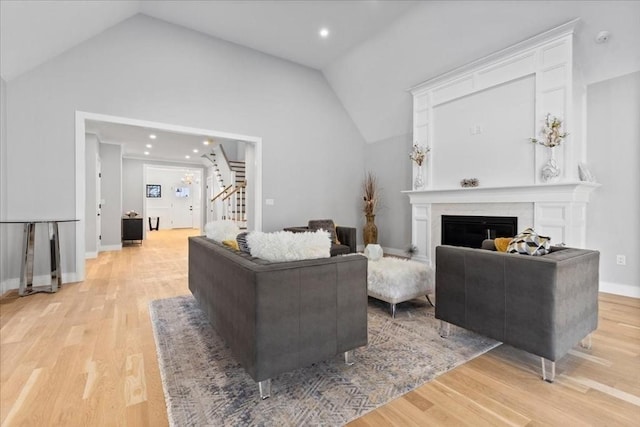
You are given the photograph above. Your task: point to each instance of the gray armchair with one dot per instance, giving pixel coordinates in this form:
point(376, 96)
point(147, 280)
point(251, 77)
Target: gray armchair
point(540, 304)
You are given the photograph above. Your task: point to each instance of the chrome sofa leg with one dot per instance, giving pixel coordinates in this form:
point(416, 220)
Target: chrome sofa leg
point(348, 357)
point(445, 329)
point(265, 388)
point(432, 304)
point(552, 377)
point(586, 342)
point(393, 311)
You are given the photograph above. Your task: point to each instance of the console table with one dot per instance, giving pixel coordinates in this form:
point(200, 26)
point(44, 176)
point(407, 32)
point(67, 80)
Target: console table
point(28, 244)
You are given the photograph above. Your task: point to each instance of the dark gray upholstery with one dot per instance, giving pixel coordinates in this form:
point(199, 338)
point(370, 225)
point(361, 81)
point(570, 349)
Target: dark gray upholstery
point(277, 317)
point(544, 304)
point(346, 236)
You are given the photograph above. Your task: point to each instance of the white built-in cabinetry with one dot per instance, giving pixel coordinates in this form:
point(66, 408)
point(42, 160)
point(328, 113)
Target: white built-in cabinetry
point(550, 84)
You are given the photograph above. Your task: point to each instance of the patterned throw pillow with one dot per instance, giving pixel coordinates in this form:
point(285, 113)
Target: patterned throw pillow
point(243, 246)
point(529, 243)
point(326, 225)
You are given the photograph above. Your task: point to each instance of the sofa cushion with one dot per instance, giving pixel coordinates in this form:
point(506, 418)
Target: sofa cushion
point(326, 225)
point(283, 246)
point(339, 249)
point(529, 242)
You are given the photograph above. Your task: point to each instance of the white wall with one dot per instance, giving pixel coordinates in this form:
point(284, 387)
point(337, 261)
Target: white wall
point(150, 70)
point(613, 146)
point(4, 272)
point(389, 161)
point(91, 204)
point(111, 196)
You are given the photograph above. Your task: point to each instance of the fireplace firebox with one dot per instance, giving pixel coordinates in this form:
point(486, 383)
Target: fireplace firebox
point(470, 231)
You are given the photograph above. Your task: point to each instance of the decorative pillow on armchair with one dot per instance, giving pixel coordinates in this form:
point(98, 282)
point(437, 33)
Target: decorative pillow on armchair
point(529, 243)
point(326, 225)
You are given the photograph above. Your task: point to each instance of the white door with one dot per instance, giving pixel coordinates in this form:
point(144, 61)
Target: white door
point(182, 206)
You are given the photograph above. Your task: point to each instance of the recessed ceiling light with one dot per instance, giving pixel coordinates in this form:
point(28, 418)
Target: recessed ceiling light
point(195, 150)
point(206, 142)
point(146, 153)
point(149, 145)
point(324, 33)
point(152, 136)
point(187, 156)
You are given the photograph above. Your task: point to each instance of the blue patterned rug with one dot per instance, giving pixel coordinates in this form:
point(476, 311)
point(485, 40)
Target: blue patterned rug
point(203, 384)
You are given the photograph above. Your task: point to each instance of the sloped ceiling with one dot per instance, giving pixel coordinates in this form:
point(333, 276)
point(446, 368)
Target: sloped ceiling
point(32, 32)
point(436, 37)
point(376, 51)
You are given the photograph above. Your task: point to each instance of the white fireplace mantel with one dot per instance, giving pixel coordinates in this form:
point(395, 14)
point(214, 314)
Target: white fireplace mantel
point(557, 210)
point(556, 192)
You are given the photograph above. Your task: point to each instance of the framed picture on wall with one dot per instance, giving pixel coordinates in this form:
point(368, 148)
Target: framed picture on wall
point(154, 191)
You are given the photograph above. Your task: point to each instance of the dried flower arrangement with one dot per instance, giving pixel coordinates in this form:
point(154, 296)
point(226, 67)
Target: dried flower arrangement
point(552, 132)
point(371, 194)
point(419, 153)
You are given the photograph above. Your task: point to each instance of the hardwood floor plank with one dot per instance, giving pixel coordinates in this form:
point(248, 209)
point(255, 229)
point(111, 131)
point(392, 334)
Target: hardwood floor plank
point(87, 356)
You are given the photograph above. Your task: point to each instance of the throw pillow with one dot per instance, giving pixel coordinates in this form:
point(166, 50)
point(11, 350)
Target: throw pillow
point(326, 225)
point(221, 230)
point(231, 243)
point(529, 243)
point(287, 246)
point(502, 243)
point(242, 242)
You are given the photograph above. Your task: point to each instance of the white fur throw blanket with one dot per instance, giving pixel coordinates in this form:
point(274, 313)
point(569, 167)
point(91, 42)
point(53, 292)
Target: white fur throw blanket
point(287, 246)
point(397, 278)
point(221, 230)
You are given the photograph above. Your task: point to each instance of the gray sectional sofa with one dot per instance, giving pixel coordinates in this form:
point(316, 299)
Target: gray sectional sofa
point(277, 317)
point(540, 304)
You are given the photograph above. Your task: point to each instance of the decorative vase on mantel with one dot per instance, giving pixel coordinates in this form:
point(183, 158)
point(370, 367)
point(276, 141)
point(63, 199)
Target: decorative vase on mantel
point(418, 182)
point(370, 231)
point(551, 170)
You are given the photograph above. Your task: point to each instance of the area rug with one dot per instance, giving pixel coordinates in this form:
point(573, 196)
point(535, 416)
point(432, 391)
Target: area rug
point(205, 386)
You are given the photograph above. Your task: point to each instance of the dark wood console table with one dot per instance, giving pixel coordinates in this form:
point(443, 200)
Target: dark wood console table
point(28, 244)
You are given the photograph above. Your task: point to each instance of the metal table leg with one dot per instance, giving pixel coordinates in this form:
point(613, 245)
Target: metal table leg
point(26, 270)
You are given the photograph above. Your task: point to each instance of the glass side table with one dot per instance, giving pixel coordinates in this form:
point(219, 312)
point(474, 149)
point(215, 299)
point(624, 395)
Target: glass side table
point(28, 245)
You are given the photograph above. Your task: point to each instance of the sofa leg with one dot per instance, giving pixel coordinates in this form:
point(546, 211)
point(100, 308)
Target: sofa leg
point(432, 304)
point(445, 329)
point(393, 311)
point(552, 377)
point(265, 388)
point(348, 357)
point(586, 342)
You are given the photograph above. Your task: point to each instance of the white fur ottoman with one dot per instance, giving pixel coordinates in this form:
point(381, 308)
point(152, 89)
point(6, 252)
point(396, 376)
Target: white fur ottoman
point(396, 280)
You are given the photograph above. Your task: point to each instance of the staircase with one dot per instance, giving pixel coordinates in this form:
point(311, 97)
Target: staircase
point(229, 202)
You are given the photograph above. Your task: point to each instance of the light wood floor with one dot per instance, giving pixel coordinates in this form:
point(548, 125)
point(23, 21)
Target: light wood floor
point(86, 357)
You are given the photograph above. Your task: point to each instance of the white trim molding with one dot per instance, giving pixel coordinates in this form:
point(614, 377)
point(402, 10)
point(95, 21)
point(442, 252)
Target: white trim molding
point(620, 289)
point(253, 162)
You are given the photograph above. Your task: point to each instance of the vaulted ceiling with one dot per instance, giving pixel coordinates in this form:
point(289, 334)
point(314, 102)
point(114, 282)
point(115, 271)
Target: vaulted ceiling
point(34, 31)
point(375, 50)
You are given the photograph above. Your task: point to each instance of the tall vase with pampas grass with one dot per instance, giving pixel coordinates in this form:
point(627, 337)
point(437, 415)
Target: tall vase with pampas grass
point(370, 207)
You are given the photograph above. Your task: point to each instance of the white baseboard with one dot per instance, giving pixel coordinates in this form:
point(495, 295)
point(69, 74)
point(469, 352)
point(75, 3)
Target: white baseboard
point(620, 289)
point(394, 252)
point(41, 280)
point(107, 248)
point(90, 255)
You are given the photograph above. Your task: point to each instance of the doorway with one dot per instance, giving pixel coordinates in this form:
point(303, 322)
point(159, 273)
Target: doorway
point(177, 202)
point(253, 152)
